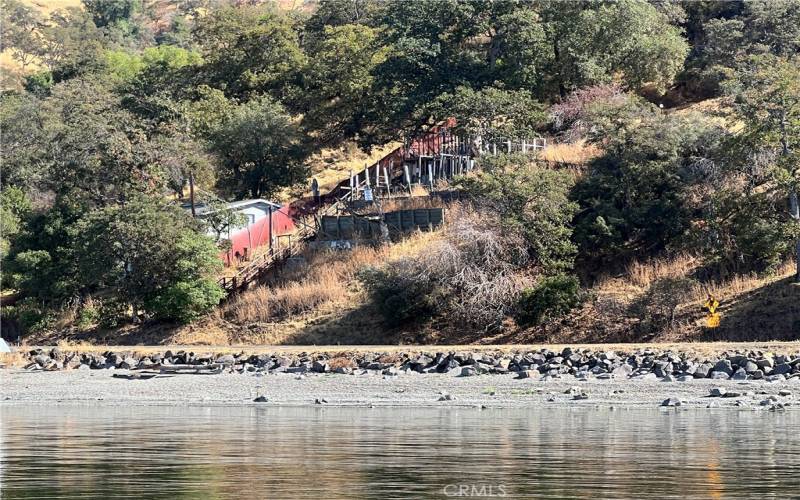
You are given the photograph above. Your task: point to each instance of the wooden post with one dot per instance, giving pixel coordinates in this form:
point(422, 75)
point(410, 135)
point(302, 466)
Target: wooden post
point(352, 186)
point(271, 234)
point(388, 184)
point(366, 173)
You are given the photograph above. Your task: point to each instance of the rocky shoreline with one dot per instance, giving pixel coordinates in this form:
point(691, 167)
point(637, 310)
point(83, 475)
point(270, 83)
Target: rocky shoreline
point(570, 377)
point(646, 364)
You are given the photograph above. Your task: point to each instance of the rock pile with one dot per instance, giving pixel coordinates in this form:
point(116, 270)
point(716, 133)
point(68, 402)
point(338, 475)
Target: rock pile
point(581, 363)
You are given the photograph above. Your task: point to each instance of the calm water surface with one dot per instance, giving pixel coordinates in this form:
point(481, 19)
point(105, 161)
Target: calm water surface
point(263, 452)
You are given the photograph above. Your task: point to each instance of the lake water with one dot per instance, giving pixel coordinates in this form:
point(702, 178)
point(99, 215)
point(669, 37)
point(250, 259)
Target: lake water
point(319, 453)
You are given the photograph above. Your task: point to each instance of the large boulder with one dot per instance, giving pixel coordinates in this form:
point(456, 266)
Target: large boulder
point(724, 365)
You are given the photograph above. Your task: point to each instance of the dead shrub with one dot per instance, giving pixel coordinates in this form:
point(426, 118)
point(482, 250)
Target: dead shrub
point(657, 307)
point(472, 275)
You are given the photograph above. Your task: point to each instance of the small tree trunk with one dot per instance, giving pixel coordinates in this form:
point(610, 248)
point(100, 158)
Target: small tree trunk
point(191, 192)
point(794, 212)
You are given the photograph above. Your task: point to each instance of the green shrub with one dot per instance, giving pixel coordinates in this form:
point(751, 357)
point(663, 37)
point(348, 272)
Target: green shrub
point(186, 301)
point(399, 296)
point(112, 313)
point(88, 315)
point(31, 315)
point(550, 298)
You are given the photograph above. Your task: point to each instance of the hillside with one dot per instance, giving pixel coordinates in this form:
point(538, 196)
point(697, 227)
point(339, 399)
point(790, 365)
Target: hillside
point(668, 172)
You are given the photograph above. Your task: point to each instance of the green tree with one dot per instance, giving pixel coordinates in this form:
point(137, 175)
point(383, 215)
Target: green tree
point(491, 114)
point(72, 44)
point(14, 208)
point(635, 200)
point(110, 12)
point(629, 36)
point(22, 121)
point(767, 98)
point(249, 51)
point(19, 25)
point(151, 255)
point(530, 201)
point(259, 149)
point(337, 78)
point(99, 152)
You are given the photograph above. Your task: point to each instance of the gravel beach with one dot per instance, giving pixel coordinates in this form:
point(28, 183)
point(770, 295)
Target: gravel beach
point(100, 387)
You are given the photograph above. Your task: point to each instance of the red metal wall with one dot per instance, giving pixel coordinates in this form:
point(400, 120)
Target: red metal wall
point(246, 242)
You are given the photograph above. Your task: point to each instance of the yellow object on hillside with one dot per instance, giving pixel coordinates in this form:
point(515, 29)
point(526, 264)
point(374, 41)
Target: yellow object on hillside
point(713, 317)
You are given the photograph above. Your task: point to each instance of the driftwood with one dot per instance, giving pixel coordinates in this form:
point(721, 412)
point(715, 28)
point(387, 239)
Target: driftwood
point(210, 369)
point(152, 370)
point(135, 376)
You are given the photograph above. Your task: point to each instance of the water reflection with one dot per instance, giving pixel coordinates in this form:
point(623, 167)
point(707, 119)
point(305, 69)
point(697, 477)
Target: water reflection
point(268, 452)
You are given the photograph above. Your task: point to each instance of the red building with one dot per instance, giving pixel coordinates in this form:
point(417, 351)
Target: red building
point(266, 221)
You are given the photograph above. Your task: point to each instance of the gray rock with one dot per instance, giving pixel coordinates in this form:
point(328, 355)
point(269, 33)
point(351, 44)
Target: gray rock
point(732, 394)
point(764, 363)
point(344, 370)
point(320, 366)
point(128, 364)
point(468, 371)
point(784, 392)
point(702, 370)
point(41, 360)
point(668, 378)
point(671, 402)
point(717, 392)
point(782, 369)
point(226, 359)
point(662, 369)
point(720, 375)
point(446, 397)
point(775, 378)
point(320, 401)
point(758, 374)
point(527, 373)
point(750, 367)
point(261, 399)
point(72, 362)
point(114, 359)
point(724, 366)
point(623, 371)
point(739, 374)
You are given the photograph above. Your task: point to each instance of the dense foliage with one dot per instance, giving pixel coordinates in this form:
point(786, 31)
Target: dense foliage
point(116, 105)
